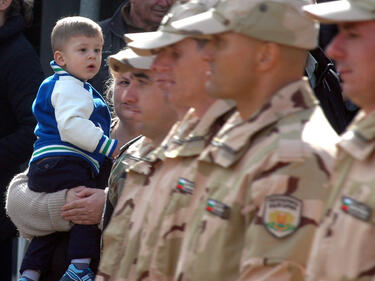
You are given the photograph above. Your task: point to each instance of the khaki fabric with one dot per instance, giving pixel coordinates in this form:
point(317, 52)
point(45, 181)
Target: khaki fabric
point(260, 190)
point(130, 194)
point(344, 246)
point(172, 191)
point(279, 21)
point(342, 11)
point(155, 244)
point(130, 219)
point(126, 60)
point(166, 35)
point(117, 176)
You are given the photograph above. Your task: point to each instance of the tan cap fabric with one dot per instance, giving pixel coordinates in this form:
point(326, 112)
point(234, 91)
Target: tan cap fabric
point(341, 11)
point(166, 34)
point(126, 60)
point(280, 21)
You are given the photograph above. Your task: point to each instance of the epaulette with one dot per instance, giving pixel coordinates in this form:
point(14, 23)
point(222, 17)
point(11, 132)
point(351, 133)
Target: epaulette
point(128, 144)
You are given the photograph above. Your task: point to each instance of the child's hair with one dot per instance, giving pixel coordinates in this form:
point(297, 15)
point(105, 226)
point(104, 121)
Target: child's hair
point(68, 27)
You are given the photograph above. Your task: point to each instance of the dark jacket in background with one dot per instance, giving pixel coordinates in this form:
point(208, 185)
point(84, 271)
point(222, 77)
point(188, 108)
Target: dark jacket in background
point(114, 29)
point(20, 77)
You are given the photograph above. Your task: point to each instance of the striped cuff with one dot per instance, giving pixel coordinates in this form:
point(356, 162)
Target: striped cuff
point(107, 146)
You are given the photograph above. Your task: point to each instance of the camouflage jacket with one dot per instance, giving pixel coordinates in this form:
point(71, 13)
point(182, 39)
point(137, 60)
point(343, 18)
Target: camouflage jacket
point(134, 163)
point(259, 193)
point(117, 176)
point(171, 193)
point(128, 220)
point(344, 246)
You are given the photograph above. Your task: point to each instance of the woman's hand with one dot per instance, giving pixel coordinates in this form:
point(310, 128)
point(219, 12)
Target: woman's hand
point(84, 205)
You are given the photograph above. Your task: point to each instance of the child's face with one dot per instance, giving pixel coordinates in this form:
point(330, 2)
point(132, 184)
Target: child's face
point(81, 56)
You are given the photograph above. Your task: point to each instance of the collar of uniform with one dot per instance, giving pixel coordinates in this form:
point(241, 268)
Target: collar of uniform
point(358, 140)
point(136, 157)
point(231, 141)
point(178, 135)
point(192, 142)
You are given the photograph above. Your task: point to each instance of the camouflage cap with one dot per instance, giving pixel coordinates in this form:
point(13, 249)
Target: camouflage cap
point(342, 11)
point(280, 21)
point(126, 60)
point(167, 35)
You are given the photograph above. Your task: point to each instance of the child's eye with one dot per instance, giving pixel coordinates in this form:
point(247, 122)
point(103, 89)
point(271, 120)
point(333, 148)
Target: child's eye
point(98, 51)
point(82, 50)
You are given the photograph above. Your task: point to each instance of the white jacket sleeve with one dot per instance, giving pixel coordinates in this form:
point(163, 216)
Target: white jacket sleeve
point(73, 108)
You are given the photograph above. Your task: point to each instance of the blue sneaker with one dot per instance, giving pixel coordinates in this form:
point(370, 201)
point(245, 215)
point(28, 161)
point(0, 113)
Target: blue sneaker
point(25, 279)
point(75, 274)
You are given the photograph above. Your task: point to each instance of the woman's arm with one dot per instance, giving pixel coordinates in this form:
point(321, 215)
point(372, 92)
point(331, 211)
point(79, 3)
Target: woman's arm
point(39, 214)
point(34, 213)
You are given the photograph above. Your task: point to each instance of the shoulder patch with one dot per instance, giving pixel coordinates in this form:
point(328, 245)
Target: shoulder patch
point(282, 215)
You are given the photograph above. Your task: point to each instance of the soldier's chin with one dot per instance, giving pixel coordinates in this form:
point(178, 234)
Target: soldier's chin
point(348, 92)
point(211, 88)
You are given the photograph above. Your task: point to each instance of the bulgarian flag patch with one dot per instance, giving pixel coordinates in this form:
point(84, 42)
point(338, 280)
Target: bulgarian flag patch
point(185, 186)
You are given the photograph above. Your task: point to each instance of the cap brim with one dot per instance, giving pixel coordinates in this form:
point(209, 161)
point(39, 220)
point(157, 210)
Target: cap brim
point(130, 37)
point(143, 43)
point(206, 23)
point(337, 11)
point(127, 60)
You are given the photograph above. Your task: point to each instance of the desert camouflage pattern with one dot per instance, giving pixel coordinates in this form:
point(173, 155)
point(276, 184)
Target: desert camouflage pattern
point(365, 5)
point(260, 190)
point(183, 9)
point(280, 21)
point(166, 34)
point(341, 11)
point(134, 164)
point(171, 193)
point(368, 5)
point(344, 246)
point(131, 219)
point(117, 176)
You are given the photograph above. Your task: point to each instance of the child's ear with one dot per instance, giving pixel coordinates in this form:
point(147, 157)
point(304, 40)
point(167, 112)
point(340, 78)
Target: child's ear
point(59, 58)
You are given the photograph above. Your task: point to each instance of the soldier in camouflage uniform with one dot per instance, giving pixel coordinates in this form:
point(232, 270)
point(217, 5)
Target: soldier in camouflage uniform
point(146, 106)
point(261, 183)
point(344, 246)
point(153, 246)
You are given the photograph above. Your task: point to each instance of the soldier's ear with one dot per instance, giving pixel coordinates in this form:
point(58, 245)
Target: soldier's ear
point(268, 55)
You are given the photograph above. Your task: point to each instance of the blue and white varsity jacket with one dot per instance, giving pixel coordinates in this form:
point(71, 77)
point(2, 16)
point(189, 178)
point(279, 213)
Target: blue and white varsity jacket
point(73, 119)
